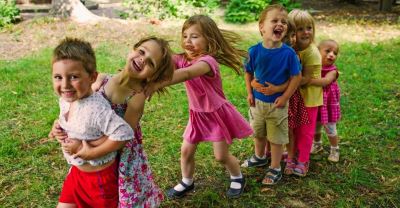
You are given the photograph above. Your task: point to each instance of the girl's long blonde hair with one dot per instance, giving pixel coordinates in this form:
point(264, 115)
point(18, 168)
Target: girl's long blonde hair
point(222, 44)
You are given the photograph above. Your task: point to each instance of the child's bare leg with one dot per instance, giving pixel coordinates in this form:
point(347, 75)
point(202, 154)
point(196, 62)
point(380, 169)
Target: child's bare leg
point(331, 132)
point(334, 140)
point(65, 205)
point(188, 151)
point(222, 155)
point(290, 145)
point(276, 155)
point(187, 159)
point(260, 144)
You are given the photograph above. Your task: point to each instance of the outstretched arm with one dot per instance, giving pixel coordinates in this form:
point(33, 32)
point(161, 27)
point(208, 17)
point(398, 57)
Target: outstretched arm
point(181, 75)
point(329, 78)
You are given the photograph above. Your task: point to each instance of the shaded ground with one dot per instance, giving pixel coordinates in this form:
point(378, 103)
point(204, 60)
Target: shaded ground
point(335, 19)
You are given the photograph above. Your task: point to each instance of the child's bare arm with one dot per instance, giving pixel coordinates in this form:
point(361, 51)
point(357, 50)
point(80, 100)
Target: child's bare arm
point(248, 77)
point(181, 75)
point(329, 78)
point(88, 152)
point(294, 83)
point(133, 114)
point(307, 74)
point(270, 88)
point(96, 85)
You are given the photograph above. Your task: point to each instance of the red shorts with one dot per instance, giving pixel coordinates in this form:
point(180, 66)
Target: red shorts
point(91, 189)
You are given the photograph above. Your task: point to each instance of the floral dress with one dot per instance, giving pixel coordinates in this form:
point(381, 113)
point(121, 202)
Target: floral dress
point(136, 183)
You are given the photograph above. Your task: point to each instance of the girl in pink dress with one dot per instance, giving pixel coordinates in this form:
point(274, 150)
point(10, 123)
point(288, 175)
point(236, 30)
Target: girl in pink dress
point(329, 112)
point(211, 117)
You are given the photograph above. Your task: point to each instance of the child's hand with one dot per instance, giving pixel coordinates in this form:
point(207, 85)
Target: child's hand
point(280, 102)
point(266, 89)
point(250, 100)
point(57, 132)
point(85, 152)
point(149, 89)
point(71, 146)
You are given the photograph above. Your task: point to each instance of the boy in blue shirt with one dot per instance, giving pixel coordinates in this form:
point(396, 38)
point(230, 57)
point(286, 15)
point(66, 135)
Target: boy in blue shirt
point(271, 61)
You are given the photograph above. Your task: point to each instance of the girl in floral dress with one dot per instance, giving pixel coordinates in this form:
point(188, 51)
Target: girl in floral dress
point(149, 62)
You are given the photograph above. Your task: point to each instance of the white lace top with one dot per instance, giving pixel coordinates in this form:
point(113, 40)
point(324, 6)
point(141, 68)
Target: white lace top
point(91, 118)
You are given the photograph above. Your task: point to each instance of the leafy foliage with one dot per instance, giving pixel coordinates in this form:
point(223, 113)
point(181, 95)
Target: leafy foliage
point(162, 9)
point(8, 12)
point(239, 11)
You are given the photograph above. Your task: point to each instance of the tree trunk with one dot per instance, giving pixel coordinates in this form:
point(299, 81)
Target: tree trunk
point(385, 5)
point(75, 10)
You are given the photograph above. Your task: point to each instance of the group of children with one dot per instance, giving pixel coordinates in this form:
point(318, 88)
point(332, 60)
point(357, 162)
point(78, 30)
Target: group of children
point(98, 125)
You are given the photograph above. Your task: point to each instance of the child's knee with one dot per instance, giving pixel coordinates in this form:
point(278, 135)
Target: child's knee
point(221, 158)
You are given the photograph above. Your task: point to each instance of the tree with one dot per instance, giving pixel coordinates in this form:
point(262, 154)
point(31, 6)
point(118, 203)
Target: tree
point(385, 5)
point(75, 10)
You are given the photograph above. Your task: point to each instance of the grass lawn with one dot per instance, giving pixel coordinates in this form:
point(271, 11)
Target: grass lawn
point(32, 168)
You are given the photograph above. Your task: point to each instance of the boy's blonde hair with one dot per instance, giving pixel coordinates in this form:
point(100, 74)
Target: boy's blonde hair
point(77, 50)
point(221, 43)
point(302, 18)
point(269, 8)
point(166, 67)
point(323, 42)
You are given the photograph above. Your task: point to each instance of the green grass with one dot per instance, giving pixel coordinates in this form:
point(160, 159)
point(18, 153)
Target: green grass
point(32, 168)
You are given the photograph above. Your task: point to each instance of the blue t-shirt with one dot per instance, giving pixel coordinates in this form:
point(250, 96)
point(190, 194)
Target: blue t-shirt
point(275, 66)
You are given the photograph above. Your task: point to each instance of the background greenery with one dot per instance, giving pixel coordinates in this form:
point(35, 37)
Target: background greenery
point(32, 168)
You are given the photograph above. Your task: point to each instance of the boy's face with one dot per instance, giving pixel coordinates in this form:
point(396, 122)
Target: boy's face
point(193, 41)
point(329, 52)
point(71, 81)
point(274, 27)
point(143, 61)
point(304, 36)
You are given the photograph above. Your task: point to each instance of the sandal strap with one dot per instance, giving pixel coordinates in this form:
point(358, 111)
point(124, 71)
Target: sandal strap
point(238, 180)
point(274, 175)
point(184, 184)
point(256, 159)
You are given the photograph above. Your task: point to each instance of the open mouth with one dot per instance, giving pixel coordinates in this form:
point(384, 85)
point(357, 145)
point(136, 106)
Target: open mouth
point(189, 48)
point(278, 33)
point(136, 66)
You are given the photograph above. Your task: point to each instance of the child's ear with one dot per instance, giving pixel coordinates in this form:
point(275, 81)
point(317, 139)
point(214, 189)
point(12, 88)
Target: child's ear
point(93, 76)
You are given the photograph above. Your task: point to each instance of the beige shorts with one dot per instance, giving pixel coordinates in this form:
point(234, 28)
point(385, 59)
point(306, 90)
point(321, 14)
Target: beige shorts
point(270, 122)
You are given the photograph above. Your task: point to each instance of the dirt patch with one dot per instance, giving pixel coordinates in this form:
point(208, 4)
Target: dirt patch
point(332, 19)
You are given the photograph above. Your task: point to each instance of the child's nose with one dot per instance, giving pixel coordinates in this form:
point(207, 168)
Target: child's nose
point(65, 84)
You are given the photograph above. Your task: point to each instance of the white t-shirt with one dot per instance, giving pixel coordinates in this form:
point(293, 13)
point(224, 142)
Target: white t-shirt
point(91, 118)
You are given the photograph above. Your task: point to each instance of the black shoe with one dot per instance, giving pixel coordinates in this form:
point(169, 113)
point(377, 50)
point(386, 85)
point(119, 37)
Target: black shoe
point(174, 194)
point(235, 193)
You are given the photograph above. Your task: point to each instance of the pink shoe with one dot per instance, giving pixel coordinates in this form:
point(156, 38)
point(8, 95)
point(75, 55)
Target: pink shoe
point(301, 169)
point(290, 166)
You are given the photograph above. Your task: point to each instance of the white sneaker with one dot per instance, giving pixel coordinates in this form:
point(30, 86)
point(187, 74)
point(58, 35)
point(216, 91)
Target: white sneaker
point(334, 155)
point(316, 147)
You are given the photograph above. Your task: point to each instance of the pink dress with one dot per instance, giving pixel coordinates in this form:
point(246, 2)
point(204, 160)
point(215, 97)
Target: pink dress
point(211, 116)
point(329, 112)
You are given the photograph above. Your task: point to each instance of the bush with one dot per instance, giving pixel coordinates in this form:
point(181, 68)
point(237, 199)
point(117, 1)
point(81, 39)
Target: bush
point(8, 12)
point(162, 9)
point(242, 11)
